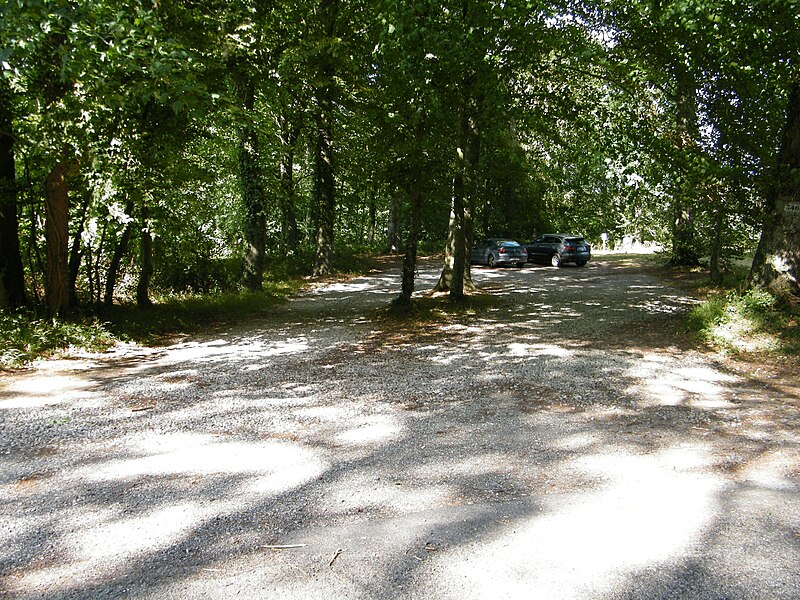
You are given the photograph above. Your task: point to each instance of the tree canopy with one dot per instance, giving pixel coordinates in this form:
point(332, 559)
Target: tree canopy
point(189, 146)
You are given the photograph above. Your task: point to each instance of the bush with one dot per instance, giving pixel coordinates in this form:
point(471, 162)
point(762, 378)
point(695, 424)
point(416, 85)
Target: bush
point(24, 337)
point(745, 322)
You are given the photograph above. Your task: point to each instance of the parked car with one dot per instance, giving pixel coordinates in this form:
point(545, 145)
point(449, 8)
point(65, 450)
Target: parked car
point(559, 248)
point(498, 251)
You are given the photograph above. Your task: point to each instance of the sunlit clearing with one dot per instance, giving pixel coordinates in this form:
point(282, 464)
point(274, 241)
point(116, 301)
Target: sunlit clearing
point(649, 510)
point(664, 384)
point(372, 430)
point(184, 454)
point(35, 391)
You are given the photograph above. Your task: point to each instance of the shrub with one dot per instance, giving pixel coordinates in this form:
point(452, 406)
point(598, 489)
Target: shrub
point(24, 337)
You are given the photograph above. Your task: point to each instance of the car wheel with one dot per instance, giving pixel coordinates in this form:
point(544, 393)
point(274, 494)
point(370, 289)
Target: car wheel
point(555, 260)
point(581, 263)
point(490, 260)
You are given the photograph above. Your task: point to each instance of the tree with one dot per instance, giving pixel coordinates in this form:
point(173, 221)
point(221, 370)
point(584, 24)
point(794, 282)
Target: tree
point(323, 116)
point(776, 265)
point(12, 281)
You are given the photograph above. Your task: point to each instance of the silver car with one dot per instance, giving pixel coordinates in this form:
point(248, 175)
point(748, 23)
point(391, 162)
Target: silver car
point(498, 251)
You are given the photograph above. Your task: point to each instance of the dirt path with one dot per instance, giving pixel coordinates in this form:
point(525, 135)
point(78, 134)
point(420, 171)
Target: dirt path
point(568, 442)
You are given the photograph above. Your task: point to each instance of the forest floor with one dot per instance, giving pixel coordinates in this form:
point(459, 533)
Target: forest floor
point(565, 440)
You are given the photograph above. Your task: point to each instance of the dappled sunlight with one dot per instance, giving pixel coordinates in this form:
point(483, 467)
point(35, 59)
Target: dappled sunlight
point(533, 350)
point(379, 286)
point(493, 449)
point(96, 542)
point(665, 384)
point(647, 510)
point(36, 391)
point(473, 464)
point(158, 455)
point(665, 305)
point(215, 349)
point(774, 470)
point(107, 540)
point(372, 430)
point(577, 442)
point(384, 493)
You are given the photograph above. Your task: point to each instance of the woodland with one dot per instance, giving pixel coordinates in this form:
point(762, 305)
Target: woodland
point(174, 146)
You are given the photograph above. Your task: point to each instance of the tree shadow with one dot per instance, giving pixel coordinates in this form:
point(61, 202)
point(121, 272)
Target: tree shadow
point(486, 457)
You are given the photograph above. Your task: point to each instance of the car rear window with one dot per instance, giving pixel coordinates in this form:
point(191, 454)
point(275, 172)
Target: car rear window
point(509, 244)
point(575, 241)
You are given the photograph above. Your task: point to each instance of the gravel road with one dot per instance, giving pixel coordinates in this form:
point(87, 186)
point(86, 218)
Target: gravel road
point(568, 442)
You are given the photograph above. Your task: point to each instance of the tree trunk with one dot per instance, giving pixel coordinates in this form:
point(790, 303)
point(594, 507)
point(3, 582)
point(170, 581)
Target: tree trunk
point(715, 268)
point(12, 275)
point(252, 190)
point(116, 259)
point(57, 240)
point(289, 228)
point(776, 265)
point(456, 277)
point(288, 132)
point(684, 244)
point(75, 254)
point(410, 258)
point(324, 184)
point(373, 216)
point(394, 234)
point(146, 256)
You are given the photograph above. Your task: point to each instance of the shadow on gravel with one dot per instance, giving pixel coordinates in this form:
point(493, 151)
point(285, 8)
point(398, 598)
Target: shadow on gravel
point(482, 457)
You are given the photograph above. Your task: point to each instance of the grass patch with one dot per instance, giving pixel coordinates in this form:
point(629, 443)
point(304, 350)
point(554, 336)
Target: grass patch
point(747, 323)
point(25, 337)
point(192, 313)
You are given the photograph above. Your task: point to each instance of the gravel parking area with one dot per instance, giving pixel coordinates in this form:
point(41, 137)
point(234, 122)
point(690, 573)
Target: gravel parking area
point(568, 442)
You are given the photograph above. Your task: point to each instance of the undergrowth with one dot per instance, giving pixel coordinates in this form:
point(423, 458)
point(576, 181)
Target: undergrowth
point(747, 322)
point(25, 336)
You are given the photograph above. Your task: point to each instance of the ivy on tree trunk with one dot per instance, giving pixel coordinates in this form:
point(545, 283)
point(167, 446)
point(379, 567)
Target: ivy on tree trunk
point(776, 264)
point(324, 183)
point(252, 189)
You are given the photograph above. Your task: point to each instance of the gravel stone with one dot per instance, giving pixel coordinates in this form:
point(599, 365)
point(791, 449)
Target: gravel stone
point(569, 441)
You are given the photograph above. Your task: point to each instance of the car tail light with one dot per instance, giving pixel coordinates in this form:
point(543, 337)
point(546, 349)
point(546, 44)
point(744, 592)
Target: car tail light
point(502, 250)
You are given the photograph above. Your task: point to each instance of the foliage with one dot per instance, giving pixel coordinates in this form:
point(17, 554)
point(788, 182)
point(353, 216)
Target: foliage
point(190, 313)
point(747, 322)
point(592, 116)
point(25, 337)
